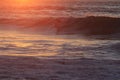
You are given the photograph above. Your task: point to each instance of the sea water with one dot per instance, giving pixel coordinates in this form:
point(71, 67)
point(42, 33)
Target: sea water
point(59, 46)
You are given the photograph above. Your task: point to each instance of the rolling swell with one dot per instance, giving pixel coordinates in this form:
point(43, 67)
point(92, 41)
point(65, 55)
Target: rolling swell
point(69, 25)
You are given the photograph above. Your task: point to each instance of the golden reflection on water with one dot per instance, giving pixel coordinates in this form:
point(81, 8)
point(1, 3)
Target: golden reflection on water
point(31, 54)
point(22, 44)
point(19, 44)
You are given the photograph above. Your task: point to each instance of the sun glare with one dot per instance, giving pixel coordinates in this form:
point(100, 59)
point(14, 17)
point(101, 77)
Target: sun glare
point(23, 1)
point(20, 2)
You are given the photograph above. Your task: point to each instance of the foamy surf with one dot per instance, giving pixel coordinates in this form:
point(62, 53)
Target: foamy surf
point(56, 46)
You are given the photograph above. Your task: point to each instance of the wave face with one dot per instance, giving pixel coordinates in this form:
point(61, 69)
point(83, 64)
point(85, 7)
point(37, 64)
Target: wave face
point(71, 8)
point(62, 25)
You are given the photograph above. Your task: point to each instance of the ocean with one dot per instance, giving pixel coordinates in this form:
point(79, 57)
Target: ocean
point(14, 21)
point(57, 46)
point(59, 39)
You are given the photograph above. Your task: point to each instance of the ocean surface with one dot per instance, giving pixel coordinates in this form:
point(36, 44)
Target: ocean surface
point(13, 43)
point(57, 46)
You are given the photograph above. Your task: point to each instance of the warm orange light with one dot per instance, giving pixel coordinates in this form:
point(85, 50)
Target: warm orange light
point(18, 3)
point(22, 2)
